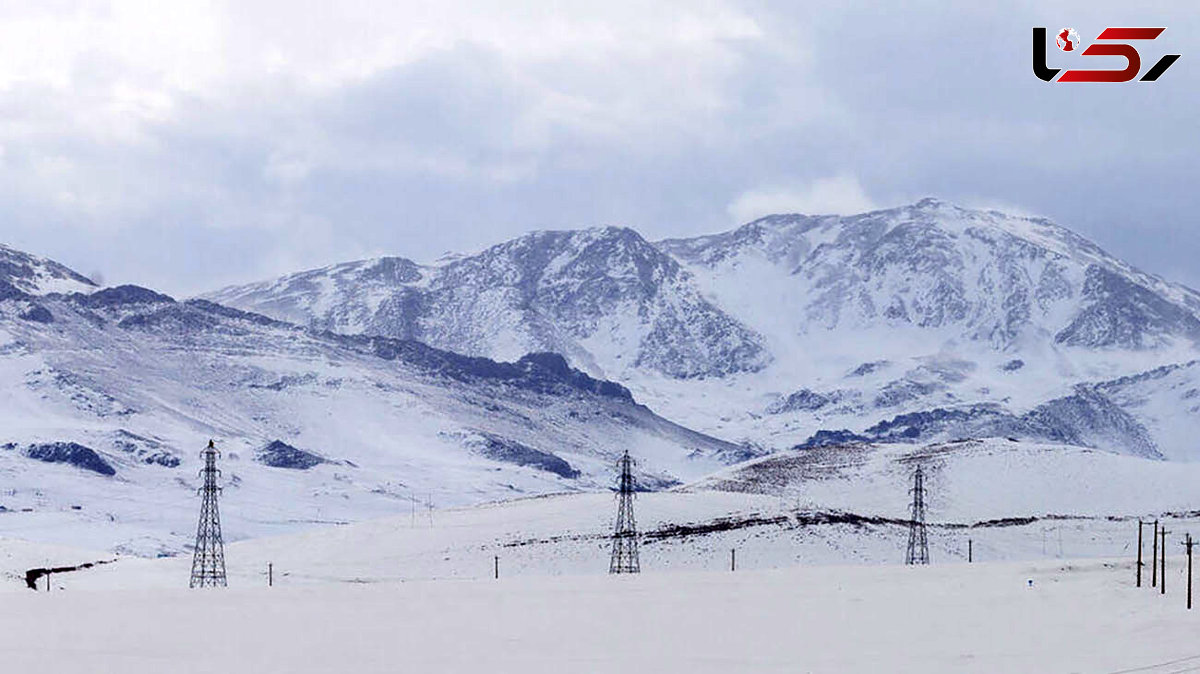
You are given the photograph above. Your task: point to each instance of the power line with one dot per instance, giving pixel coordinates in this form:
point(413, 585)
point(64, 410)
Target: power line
point(1145, 668)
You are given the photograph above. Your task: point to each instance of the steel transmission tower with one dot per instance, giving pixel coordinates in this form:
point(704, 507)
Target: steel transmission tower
point(625, 538)
point(918, 544)
point(208, 564)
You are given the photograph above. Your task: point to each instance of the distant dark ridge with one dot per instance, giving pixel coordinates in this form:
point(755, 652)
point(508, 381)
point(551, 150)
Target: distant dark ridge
point(120, 296)
point(230, 312)
point(197, 315)
point(537, 372)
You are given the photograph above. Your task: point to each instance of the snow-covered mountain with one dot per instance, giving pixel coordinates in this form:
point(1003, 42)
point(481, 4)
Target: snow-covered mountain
point(107, 398)
point(36, 275)
point(605, 298)
point(991, 277)
point(980, 321)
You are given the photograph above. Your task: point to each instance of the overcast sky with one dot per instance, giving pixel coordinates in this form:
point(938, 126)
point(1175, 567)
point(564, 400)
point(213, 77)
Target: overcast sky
point(189, 145)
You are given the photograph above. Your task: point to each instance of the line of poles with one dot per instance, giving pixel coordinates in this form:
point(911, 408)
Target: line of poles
point(1158, 558)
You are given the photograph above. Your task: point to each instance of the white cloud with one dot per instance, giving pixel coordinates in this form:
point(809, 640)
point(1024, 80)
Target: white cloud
point(840, 195)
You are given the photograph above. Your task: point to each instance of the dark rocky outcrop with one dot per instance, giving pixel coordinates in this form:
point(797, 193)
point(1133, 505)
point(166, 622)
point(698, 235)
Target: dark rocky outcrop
point(279, 454)
point(502, 449)
point(71, 453)
point(121, 296)
point(37, 314)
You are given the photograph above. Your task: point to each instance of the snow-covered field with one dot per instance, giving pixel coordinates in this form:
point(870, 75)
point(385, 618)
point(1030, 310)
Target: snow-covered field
point(818, 587)
point(1076, 617)
point(1011, 501)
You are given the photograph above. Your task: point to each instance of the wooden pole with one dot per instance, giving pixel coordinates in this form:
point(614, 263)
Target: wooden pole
point(970, 551)
point(1162, 560)
point(1189, 551)
point(733, 560)
point(1154, 557)
point(1139, 559)
point(497, 560)
point(270, 574)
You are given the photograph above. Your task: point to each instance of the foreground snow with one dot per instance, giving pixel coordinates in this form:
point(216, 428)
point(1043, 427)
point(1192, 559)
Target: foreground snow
point(415, 593)
point(1077, 617)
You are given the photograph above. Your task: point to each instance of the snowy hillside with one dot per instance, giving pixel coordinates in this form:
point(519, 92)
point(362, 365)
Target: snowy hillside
point(36, 275)
point(107, 399)
point(930, 319)
point(845, 505)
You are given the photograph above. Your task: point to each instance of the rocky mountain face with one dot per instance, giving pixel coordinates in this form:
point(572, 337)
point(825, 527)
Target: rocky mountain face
point(36, 275)
point(108, 397)
point(605, 298)
point(989, 277)
point(977, 321)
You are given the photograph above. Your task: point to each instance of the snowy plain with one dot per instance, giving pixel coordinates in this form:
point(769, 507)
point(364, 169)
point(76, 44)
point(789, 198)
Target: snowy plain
point(812, 591)
point(1076, 617)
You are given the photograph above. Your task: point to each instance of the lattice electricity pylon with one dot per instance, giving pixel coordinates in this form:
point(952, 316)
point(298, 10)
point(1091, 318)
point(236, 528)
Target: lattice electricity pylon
point(918, 544)
point(208, 563)
point(625, 537)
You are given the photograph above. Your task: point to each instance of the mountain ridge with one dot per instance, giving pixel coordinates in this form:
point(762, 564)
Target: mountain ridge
point(949, 306)
point(108, 397)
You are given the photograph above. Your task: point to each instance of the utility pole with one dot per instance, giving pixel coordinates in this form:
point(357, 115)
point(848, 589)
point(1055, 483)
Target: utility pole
point(918, 543)
point(1154, 557)
point(1188, 543)
point(625, 537)
point(1139, 559)
point(1162, 560)
point(208, 563)
point(270, 575)
point(970, 551)
point(497, 567)
point(733, 560)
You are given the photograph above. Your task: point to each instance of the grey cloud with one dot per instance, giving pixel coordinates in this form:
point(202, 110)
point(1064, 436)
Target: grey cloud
point(464, 145)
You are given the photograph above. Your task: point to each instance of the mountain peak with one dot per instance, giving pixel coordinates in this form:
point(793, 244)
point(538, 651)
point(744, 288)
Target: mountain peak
point(930, 202)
